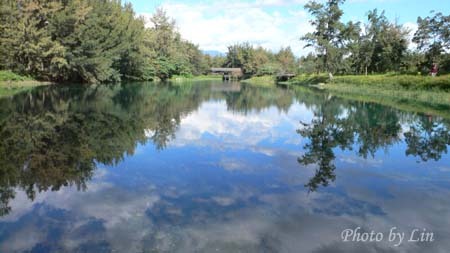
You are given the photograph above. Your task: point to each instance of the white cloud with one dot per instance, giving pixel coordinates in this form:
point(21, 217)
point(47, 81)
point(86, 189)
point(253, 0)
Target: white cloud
point(238, 130)
point(216, 25)
point(412, 27)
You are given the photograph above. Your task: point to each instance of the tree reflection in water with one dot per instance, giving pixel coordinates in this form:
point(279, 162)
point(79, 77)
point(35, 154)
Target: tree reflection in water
point(368, 127)
point(54, 136)
point(428, 139)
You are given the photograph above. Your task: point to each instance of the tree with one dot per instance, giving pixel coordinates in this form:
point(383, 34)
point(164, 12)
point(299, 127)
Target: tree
point(242, 56)
point(170, 54)
point(328, 32)
point(427, 139)
point(100, 38)
point(92, 41)
point(433, 37)
point(308, 64)
point(287, 60)
point(29, 48)
point(380, 48)
point(389, 43)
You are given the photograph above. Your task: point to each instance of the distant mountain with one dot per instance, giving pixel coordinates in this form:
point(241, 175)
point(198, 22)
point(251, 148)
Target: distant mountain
point(213, 53)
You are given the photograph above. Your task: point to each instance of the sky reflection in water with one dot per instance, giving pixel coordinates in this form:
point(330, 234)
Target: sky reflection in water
point(214, 167)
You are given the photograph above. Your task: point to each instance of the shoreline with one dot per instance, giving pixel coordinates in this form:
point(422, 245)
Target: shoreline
point(435, 101)
point(10, 88)
point(177, 79)
point(422, 89)
point(426, 102)
point(261, 80)
point(386, 81)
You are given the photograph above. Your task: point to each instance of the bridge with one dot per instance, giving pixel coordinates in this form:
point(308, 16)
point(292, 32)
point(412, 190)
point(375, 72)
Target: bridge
point(284, 77)
point(228, 73)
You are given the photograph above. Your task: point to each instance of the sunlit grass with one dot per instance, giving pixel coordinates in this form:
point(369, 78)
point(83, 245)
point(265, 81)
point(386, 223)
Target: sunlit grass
point(6, 75)
point(195, 78)
point(429, 102)
point(12, 83)
point(261, 80)
point(425, 94)
point(407, 82)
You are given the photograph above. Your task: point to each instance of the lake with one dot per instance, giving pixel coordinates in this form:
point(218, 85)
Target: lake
point(219, 167)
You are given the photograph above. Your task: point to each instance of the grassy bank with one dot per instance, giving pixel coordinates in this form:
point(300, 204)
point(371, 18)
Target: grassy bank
point(412, 93)
point(261, 80)
point(428, 102)
point(6, 75)
point(195, 78)
point(308, 80)
point(405, 82)
point(12, 83)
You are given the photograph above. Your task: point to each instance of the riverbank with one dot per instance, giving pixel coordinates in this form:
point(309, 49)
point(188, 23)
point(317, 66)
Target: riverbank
point(260, 80)
point(406, 82)
point(409, 91)
point(12, 83)
point(427, 102)
point(195, 78)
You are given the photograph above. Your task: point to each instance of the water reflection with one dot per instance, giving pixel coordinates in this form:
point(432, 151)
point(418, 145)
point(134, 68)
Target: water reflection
point(427, 138)
point(367, 128)
point(54, 136)
point(207, 167)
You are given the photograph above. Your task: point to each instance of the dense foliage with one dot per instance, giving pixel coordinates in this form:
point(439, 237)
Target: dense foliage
point(378, 46)
point(105, 41)
point(259, 61)
point(92, 41)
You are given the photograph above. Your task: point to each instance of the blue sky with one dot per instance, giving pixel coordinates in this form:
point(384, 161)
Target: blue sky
point(271, 23)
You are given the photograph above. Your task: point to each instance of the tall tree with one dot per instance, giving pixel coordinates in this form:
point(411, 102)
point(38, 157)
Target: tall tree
point(91, 41)
point(433, 37)
point(388, 40)
point(242, 56)
point(29, 48)
point(380, 47)
point(328, 32)
point(287, 60)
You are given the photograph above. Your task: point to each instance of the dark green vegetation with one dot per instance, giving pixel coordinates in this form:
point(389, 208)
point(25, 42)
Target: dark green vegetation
point(92, 41)
point(53, 136)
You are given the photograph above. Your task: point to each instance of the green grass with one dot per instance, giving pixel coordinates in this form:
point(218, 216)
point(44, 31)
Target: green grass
point(12, 83)
point(423, 94)
point(428, 102)
point(409, 82)
point(6, 75)
point(405, 82)
point(261, 80)
point(195, 78)
point(308, 80)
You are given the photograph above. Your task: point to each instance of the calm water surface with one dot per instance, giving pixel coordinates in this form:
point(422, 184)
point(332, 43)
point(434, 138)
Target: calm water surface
point(213, 167)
